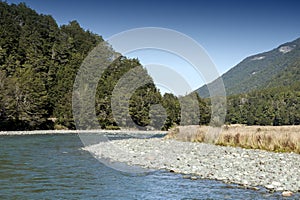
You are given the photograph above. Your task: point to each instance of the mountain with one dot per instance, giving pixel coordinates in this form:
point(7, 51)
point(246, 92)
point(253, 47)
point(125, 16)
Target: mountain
point(274, 68)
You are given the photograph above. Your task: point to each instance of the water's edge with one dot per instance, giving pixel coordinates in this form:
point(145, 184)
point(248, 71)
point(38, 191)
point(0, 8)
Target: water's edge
point(99, 131)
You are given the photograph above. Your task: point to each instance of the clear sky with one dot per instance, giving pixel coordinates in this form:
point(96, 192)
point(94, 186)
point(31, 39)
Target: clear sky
point(228, 30)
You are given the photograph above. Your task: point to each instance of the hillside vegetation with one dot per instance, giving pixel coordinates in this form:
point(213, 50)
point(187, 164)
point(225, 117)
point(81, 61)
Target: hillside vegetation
point(264, 89)
point(262, 70)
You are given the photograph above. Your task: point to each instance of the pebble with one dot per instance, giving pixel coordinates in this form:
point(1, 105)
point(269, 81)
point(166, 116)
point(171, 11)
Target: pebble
point(276, 184)
point(270, 187)
point(247, 167)
point(287, 194)
point(186, 176)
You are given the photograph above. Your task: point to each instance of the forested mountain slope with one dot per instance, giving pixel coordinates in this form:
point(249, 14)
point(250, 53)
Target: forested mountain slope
point(262, 70)
point(38, 64)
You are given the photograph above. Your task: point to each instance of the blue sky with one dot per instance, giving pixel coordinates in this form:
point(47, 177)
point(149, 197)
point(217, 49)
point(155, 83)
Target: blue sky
point(229, 31)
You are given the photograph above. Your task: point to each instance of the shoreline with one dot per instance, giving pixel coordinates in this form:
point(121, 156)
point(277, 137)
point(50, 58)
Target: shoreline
point(247, 167)
point(49, 132)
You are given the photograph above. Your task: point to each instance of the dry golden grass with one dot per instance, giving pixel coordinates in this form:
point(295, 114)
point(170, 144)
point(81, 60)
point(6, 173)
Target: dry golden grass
point(270, 138)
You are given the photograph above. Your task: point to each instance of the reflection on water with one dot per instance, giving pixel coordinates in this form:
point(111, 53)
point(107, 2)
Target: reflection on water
point(54, 167)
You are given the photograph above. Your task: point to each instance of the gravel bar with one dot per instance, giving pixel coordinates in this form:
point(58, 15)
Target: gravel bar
point(247, 167)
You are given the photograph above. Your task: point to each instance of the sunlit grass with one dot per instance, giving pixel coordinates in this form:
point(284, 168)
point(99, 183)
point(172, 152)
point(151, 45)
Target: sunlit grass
point(270, 138)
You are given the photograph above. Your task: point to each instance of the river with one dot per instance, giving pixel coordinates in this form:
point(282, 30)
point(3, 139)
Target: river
point(55, 167)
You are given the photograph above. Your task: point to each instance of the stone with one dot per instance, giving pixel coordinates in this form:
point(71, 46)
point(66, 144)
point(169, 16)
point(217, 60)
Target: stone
point(276, 184)
point(287, 194)
point(252, 188)
point(270, 187)
point(186, 176)
point(245, 182)
point(279, 189)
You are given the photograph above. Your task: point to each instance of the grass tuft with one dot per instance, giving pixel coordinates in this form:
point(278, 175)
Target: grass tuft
point(270, 138)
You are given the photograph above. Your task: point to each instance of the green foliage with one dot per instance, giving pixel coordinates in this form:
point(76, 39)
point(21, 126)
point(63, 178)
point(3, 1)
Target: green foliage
point(271, 106)
point(172, 107)
point(38, 65)
point(24, 101)
point(196, 110)
point(131, 104)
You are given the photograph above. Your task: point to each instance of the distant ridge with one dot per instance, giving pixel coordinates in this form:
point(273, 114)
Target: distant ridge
point(278, 67)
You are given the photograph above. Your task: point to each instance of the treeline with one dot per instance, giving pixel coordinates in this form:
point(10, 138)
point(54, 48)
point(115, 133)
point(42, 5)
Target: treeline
point(271, 106)
point(274, 106)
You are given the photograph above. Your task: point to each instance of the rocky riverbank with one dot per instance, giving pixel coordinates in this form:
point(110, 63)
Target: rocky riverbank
point(250, 168)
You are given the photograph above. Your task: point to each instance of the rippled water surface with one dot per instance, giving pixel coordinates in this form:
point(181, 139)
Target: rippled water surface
point(55, 167)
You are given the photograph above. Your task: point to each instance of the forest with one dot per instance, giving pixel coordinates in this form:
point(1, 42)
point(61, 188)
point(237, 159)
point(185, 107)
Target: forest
point(39, 61)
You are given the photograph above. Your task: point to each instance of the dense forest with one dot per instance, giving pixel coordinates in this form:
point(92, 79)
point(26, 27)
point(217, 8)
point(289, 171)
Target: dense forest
point(38, 64)
point(271, 106)
point(39, 61)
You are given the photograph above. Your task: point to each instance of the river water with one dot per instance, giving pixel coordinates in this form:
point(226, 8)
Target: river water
point(55, 167)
